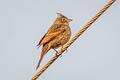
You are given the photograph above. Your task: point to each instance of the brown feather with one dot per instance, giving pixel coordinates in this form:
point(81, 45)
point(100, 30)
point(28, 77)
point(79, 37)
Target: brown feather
point(49, 37)
point(45, 49)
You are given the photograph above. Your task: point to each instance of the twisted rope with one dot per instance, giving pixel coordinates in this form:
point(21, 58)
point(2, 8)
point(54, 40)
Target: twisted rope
point(73, 39)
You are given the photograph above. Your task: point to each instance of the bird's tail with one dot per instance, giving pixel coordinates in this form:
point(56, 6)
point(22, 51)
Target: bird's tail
point(45, 49)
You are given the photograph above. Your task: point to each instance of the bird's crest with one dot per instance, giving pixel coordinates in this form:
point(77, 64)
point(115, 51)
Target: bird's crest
point(60, 15)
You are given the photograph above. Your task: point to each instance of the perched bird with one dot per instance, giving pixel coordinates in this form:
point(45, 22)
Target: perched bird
point(58, 34)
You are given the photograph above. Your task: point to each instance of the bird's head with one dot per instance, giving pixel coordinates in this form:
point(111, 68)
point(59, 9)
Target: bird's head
point(62, 19)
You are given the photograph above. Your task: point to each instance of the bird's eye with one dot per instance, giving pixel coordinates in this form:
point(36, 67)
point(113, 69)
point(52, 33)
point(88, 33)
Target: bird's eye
point(63, 19)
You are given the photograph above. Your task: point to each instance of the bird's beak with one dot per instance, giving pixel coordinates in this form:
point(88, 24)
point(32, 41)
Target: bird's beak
point(69, 20)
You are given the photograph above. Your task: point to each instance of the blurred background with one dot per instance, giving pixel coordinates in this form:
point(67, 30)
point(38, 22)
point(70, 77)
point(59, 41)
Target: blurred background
point(95, 55)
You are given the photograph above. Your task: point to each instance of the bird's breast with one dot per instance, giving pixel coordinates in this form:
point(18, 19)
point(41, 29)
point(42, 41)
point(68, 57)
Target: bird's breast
point(62, 38)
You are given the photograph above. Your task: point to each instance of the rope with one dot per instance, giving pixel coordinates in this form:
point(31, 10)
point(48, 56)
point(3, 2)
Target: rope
point(73, 39)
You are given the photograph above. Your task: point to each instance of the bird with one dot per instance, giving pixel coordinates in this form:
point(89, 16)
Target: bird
point(57, 35)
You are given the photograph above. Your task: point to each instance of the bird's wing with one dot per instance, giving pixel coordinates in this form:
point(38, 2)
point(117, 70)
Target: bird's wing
point(40, 41)
point(49, 36)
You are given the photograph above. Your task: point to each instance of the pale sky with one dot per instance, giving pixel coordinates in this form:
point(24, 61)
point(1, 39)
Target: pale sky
point(95, 55)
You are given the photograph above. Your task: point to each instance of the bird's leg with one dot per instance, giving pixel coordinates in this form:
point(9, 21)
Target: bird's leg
point(57, 52)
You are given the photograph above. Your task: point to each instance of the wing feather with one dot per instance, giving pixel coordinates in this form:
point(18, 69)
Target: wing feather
point(51, 34)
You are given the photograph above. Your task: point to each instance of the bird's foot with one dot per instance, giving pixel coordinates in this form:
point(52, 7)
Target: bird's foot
point(57, 52)
point(60, 55)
